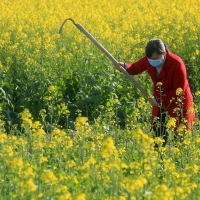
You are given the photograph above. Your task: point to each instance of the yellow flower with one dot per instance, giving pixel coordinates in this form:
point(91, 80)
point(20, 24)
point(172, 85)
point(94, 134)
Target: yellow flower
point(40, 132)
point(28, 186)
point(187, 141)
point(197, 93)
point(8, 150)
point(40, 195)
point(76, 180)
point(26, 119)
point(91, 161)
point(171, 123)
point(179, 190)
point(158, 140)
point(80, 197)
point(177, 175)
point(58, 132)
point(141, 102)
point(135, 184)
point(36, 125)
point(27, 123)
point(62, 189)
point(198, 140)
point(17, 163)
point(179, 91)
point(162, 188)
point(26, 114)
point(28, 172)
point(190, 110)
point(159, 84)
point(176, 150)
point(81, 125)
point(124, 166)
point(81, 120)
point(51, 89)
point(70, 163)
point(3, 137)
point(194, 168)
point(48, 177)
point(122, 198)
point(181, 128)
point(66, 196)
point(43, 159)
point(108, 148)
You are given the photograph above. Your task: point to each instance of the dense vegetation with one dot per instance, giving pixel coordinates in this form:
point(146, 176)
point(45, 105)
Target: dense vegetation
point(73, 127)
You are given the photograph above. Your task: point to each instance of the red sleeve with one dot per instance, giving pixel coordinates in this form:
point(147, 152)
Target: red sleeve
point(179, 81)
point(136, 67)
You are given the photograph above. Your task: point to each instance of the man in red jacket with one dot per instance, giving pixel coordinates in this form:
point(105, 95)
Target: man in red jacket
point(171, 89)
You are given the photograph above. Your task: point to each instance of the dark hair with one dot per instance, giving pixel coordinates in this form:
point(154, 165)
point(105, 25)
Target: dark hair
point(154, 45)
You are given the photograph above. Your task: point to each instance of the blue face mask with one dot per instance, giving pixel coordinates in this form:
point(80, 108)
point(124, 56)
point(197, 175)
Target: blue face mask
point(155, 63)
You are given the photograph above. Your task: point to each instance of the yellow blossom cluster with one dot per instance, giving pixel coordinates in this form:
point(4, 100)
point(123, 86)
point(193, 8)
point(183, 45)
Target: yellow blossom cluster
point(171, 123)
point(108, 148)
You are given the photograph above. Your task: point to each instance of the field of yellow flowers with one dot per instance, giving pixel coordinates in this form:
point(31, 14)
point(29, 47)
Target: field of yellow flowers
point(71, 126)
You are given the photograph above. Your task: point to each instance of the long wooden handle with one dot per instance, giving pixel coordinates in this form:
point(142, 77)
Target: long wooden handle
point(82, 29)
point(109, 55)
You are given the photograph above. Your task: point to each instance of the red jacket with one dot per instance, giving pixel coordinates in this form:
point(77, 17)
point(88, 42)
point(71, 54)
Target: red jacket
point(172, 76)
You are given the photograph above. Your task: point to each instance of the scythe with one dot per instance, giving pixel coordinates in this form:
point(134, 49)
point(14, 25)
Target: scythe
point(114, 61)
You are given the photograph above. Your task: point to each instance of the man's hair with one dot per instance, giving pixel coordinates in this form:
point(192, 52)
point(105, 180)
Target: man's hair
point(155, 45)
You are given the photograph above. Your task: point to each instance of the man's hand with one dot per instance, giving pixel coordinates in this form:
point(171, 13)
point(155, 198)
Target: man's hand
point(153, 102)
